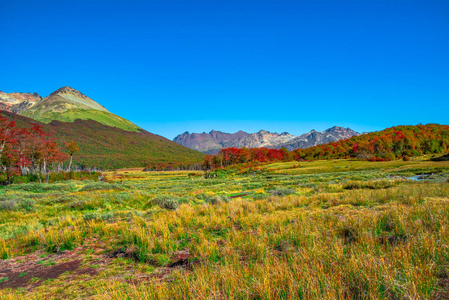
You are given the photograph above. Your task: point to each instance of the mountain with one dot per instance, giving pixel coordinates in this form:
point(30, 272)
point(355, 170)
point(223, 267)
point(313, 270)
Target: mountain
point(65, 104)
point(111, 147)
point(262, 138)
point(210, 142)
point(213, 141)
point(314, 138)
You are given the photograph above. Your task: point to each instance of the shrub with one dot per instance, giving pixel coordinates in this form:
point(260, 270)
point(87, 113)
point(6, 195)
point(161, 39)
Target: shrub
point(27, 205)
point(348, 233)
point(100, 186)
point(96, 216)
point(8, 204)
point(65, 199)
point(167, 201)
point(405, 158)
point(28, 187)
point(372, 185)
point(213, 199)
point(259, 196)
point(390, 230)
point(34, 187)
point(219, 173)
point(86, 204)
point(122, 196)
point(281, 191)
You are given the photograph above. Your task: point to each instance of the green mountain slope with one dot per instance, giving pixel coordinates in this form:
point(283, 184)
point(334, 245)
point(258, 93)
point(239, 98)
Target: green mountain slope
point(112, 147)
point(70, 115)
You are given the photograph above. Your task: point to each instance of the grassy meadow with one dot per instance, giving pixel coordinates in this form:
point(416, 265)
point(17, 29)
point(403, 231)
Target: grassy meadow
point(336, 229)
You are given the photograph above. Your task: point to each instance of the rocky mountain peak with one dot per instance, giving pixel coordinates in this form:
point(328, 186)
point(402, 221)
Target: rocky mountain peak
point(335, 128)
point(66, 90)
point(341, 131)
point(69, 97)
point(263, 132)
point(36, 95)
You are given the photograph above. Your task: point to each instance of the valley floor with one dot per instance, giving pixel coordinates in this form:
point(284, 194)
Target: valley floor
point(342, 229)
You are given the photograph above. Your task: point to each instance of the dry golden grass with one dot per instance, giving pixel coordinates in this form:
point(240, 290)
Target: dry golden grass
point(339, 235)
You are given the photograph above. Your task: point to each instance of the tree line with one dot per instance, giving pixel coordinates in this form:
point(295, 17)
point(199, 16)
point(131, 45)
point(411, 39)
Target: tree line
point(231, 156)
point(31, 151)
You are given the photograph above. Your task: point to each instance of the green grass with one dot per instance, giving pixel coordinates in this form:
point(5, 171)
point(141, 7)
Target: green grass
point(318, 231)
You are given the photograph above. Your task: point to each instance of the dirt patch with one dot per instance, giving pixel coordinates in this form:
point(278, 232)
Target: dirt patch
point(127, 253)
point(443, 284)
point(181, 259)
point(36, 274)
point(33, 269)
point(161, 273)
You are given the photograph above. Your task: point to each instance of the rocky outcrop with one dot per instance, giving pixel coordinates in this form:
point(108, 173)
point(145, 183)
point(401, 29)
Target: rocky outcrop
point(18, 102)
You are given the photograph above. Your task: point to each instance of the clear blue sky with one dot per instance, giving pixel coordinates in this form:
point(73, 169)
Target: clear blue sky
point(173, 66)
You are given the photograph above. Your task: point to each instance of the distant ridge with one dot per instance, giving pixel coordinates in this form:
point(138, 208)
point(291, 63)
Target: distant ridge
point(213, 141)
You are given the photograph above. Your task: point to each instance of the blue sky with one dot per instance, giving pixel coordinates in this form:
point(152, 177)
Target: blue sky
point(175, 66)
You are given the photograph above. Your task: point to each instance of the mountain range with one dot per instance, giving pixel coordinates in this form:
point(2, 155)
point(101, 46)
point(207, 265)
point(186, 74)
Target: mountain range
point(212, 142)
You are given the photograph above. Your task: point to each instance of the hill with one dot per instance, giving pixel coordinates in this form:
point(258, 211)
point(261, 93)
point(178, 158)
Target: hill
point(65, 104)
point(105, 146)
point(388, 144)
point(212, 142)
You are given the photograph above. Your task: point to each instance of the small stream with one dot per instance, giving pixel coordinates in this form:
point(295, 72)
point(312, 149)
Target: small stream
point(430, 177)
